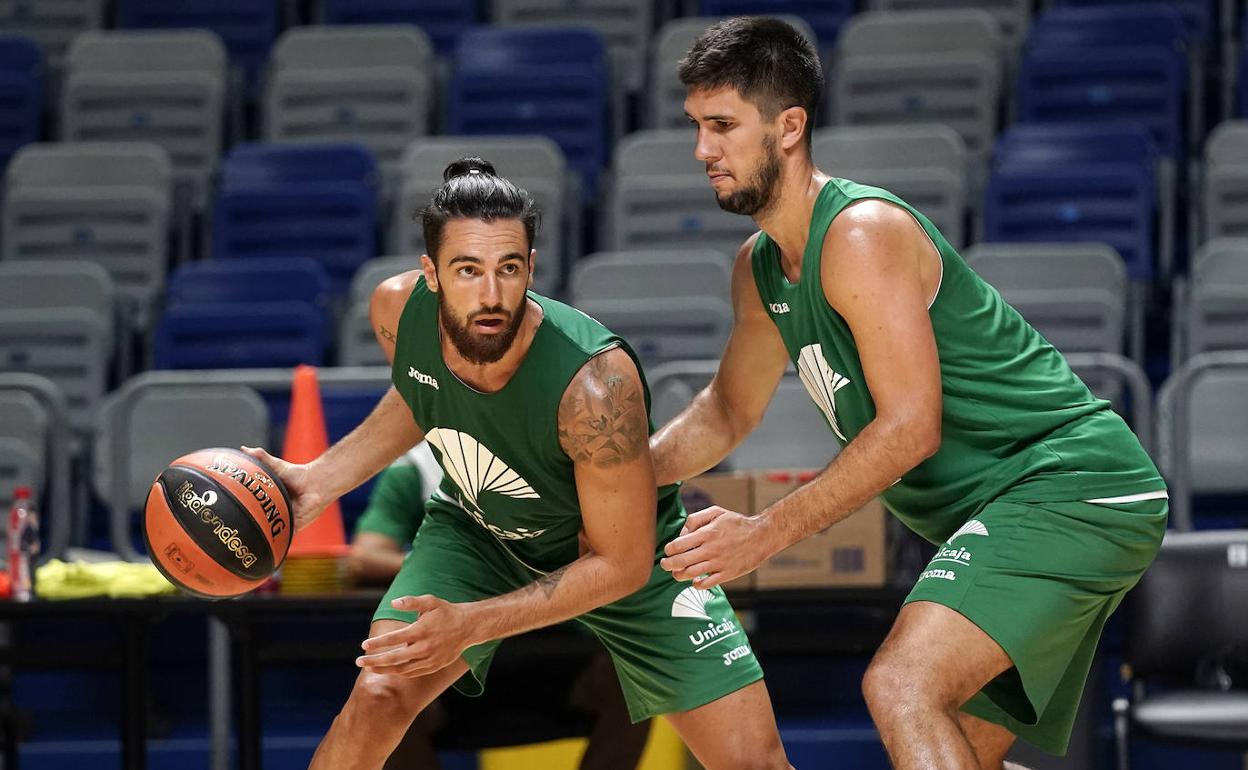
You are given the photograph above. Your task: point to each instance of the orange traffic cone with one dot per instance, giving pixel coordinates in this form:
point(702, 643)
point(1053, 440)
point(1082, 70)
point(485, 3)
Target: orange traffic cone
point(306, 440)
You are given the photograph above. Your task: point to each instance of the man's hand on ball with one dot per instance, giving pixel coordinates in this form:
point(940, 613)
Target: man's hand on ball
point(305, 500)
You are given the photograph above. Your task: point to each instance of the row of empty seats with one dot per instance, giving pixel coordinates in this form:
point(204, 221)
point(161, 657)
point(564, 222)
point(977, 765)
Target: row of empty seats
point(115, 204)
point(380, 84)
point(61, 318)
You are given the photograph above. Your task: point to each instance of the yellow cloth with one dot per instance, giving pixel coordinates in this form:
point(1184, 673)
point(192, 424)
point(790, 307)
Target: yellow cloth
point(80, 579)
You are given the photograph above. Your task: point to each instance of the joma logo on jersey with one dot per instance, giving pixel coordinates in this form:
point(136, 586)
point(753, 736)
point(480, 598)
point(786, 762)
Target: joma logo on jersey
point(422, 378)
point(736, 653)
point(779, 307)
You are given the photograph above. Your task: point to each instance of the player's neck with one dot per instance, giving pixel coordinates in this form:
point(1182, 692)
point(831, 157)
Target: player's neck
point(493, 377)
point(787, 220)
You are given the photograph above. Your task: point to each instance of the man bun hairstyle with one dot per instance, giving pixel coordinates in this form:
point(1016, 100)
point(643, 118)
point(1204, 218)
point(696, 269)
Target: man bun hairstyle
point(471, 189)
point(767, 61)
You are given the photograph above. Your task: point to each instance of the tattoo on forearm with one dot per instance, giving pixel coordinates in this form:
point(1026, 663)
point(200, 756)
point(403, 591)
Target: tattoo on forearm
point(386, 334)
point(604, 420)
point(549, 582)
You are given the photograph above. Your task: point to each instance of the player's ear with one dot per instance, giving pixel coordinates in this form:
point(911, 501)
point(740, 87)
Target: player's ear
point(792, 126)
point(431, 272)
point(532, 266)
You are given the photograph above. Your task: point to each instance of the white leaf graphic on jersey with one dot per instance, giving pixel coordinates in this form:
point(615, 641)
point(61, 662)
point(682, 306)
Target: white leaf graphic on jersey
point(971, 527)
point(821, 383)
point(691, 603)
point(475, 469)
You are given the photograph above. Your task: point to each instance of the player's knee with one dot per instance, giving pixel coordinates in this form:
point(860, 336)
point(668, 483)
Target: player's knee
point(758, 754)
point(771, 758)
point(889, 686)
point(382, 697)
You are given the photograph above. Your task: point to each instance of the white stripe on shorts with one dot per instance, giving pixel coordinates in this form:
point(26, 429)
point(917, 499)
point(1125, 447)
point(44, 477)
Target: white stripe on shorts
point(1160, 494)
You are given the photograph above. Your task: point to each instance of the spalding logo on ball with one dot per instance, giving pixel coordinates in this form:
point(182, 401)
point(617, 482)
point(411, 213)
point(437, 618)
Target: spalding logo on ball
point(217, 522)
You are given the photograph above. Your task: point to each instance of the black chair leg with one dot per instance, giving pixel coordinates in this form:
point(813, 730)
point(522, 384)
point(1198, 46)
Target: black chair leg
point(1122, 736)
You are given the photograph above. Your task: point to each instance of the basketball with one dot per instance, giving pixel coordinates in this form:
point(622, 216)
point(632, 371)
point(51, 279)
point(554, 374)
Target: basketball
point(217, 522)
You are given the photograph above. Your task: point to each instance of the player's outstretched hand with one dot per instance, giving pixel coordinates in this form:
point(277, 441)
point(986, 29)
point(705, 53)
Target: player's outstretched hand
point(430, 644)
point(306, 502)
point(716, 545)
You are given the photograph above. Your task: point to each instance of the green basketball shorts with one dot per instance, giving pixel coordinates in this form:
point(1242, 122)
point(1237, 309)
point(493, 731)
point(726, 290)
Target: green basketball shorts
point(1041, 579)
point(675, 647)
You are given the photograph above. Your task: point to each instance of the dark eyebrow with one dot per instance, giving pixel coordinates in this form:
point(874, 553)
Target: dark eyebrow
point(515, 255)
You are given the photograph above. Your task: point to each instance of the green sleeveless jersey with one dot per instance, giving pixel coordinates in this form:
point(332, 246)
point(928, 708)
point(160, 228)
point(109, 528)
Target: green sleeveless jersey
point(504, 467)
point(1017, 423)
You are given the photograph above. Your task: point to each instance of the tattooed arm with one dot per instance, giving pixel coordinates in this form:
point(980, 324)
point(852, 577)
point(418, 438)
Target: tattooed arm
point(604, 429)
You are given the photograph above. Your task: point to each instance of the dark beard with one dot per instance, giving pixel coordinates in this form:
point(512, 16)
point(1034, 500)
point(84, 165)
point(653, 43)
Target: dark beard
point(757, 195)
point(480, 349)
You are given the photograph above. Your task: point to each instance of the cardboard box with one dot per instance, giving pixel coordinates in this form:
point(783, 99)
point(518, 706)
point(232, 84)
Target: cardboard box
point(734, 491)
point(770, 486)
point(851, 553)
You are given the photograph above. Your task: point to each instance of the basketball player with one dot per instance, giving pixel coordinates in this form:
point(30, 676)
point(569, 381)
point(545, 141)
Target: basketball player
point(548, 511)
point(970, 426)
point(396, 506)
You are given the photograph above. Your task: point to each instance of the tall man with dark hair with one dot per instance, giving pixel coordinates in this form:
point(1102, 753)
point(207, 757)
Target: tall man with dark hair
point(539, 417)
point(970, 426)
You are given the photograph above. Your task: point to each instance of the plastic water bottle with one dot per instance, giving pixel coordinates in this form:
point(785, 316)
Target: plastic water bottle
point(23, 543)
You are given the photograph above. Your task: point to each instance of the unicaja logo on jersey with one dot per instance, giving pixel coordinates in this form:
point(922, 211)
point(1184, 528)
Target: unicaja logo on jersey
point(422, 378)
point(972, 527)
point(821, 383)
point(779, 307)
point(475, 469)
point(949, 555)
point(691, 603)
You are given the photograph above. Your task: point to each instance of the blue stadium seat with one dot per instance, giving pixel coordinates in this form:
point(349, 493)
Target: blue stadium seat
point(1110, 202)
point(550, 81)
point(249, 281)
point(311, 200)
point(1129, 25)
point(247, 27)
point(224, 335)
point(1199, 16)
point(825, 17)
point(1090, 146)
point(442, 20)
point(1096, 64)
point(1241, 85)
point(1040, 144)
point(21, 94)
point(229, 315)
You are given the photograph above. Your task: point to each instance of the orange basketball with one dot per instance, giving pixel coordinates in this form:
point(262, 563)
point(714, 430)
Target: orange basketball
point(217, 522)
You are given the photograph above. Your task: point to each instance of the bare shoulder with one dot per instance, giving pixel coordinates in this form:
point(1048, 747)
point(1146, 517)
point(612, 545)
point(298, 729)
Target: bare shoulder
point(386, 307)
point(602, 415)
point(875, 242)
point(876, 225)
point(871, 219)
